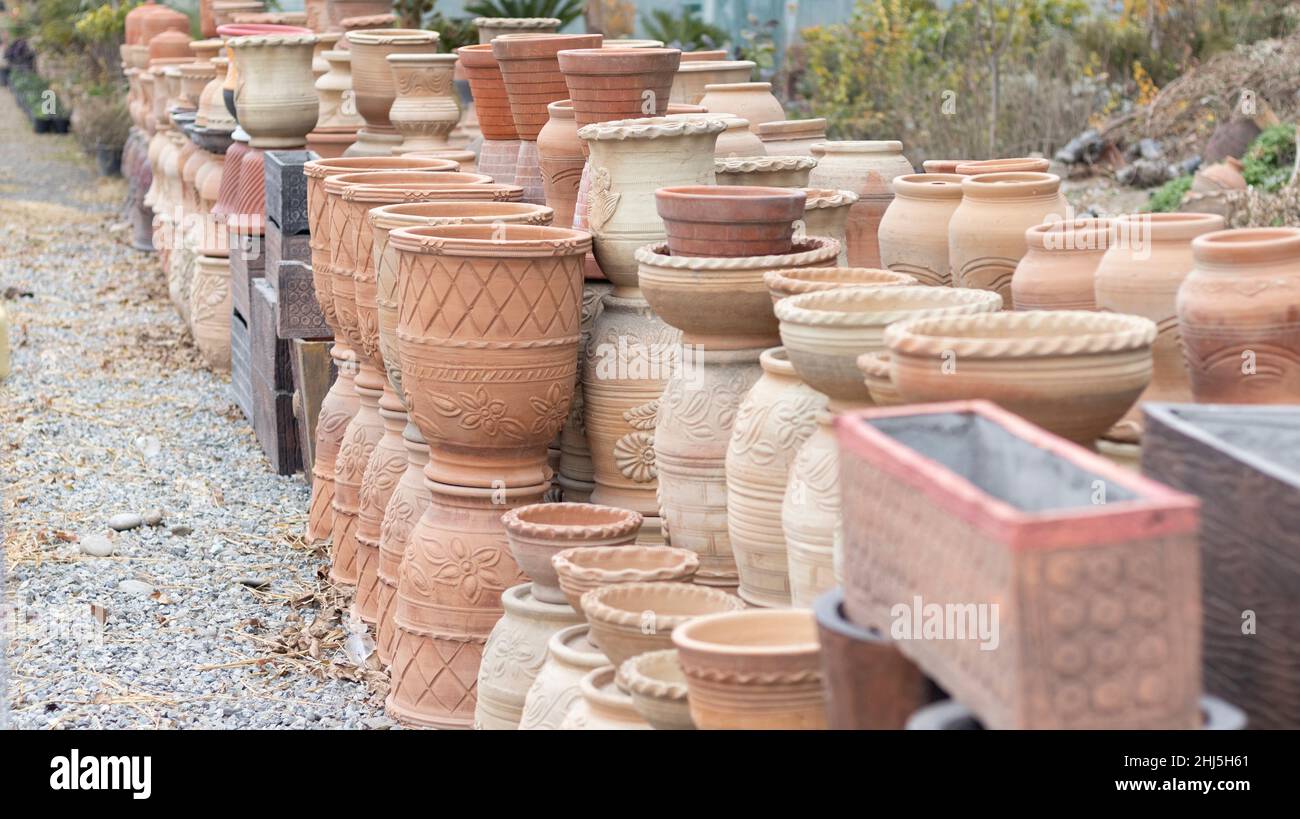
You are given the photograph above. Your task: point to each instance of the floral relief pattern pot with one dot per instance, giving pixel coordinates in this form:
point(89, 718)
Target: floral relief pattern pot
point(603, 705)
point(570, 656)
point(537, 533)
point(914, 230)
point(628, 619)
point(1059, 268)
point(866, 168)
point(388, 462)
point(584, 568)
point(657, 685)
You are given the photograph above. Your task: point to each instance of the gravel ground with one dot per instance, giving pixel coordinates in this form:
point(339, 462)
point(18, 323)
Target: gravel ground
point(215, 617)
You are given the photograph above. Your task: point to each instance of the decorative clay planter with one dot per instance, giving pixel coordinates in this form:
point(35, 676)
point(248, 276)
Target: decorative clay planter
point(794, 137)
point(628, 619)
point(618, 83)
point(490, 28)
point(767, 171)
point(561, 158)
point(1059, 268)
point(426, 109)
point(603, 706)
point(950, 715)
point(752, 101)
point(483, 72)
point(867, 169)
point(693, 76)
point(405, 506)
point(723, 220)
point(793, 282)
point(826, 213)
point(583, 569)
point(537, 533)
point(1025, 164)
point(374, 87)
point(914, 230)
point(576, 473)
point(737, 141)
point(570, 656)
point(657, 685)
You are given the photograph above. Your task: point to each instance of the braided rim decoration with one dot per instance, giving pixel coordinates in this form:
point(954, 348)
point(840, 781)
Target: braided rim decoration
point(363, 22)
point(528, 215)
point(258, 40)
point(753, 677)
point(636, 681)
point(818, 198)
point(567, 242)
point(516, 523)
point(392, 36)
point(763, 164)
point(654, 127)
point(516, 22)
point(685, 563)
point(1056, 333)
point(815, 249)
point(594, 603)
point(799, 280)
point(810, 309)
point(874, 365)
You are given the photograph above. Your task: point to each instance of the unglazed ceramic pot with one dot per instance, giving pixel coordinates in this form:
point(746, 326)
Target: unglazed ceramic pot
point(1023, 164)
point(768, 171)
point(336, 128)
point(425, 109)
point(1071, 372)
point(753, 101)
point(875, 374)
point(693, 76)
point(537, 533)
point(603, 706)
point(775, 418)
point(530, 70)
point(210, 310)
point(738, 141)
point(483, 72)
point(561, 157)
point(914, 230)
point(628, 619)
point(359, 440)
point(753, 669)
point(1059, 267)
point(275, 96)
point(810, 514)
point(826, 213)
point(725, 220)
point(337, 410)
point(630, 160)
point(1140, 274)
point(514, 655)
point(793, 137)
point(583, 569)
point(576, 473)
point(948, 166)
point(570, 656)
point(1238, 317)
point(405, 506)
point(867, 168)
point(372, 79)
point(388, 462)
point(489, 28)
point(986, 234)
point(657, 686)
point(618, 83)
point(794, 281)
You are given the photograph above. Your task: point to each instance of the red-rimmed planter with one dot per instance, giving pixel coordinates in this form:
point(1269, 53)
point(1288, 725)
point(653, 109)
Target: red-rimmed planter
point(612, 83)
point(729, 220)
point(531, 72)
point(1093, 569)
point(489, 90)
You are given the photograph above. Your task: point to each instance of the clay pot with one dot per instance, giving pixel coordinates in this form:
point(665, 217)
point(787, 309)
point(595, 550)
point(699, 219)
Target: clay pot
point(490, 28)
point(875, 374)
point(768, 171)
point(583, 569)
point(629, 42)
point(275, 97)
point(753, 670)
point(337, 410)
point(537, 533)
point(1024, 164)
point(793, 137)
point(426, 108)
point(775, 418)
point(721, 220)
point(1221, 176)
point(372, 79)
point(603, 706)
point(630, 160)
point(514, 655)
point(387, 463)
point(913, 232)
point(528, 172)
point(1087, 368)
point(337, 108)
point(752, 101)
point(722, 303)
point(362, 435)
point(406, 505)
point(950, 715)
point(826, 213)
point(693, 76)
point(467, 160)
point(560, 160)
point(869, 685)
point(810, 515)
point(145, 21)
point(986, 234)
point(1058, 270)
point(224, 11)
point(212, 113)
point(867, 169)
point(169, 47)
point(488, 413)
point(340, 10)
point(490, 100)
point(948, 166)
point(618, 83)
point(795, 281)
point(1140, 274)
point(628, 619)
point(655, 682)
point(365, 22)
point(531, 72)
point(738, 141)
point(209, 310)
point(1237, 315)
point(570, 656)
point(711, 55)
point(576, 473)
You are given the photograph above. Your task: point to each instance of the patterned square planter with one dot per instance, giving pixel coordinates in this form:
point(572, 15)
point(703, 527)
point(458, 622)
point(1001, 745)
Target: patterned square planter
point(1033, 580)
point(1244, 464)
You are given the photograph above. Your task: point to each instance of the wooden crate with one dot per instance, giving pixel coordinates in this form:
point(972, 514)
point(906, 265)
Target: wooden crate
point(313, 375)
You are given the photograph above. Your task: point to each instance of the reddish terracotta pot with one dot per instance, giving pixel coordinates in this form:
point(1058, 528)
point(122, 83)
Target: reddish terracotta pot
point(628, 619)
point(531, 72)
point(537, 533)
point(943, 165)
point(1237, 311)
point(561, 158)
point(490, 100)
point(582, 569)
point(1059, 268)
point(752, 101)
point(618, 83)
point(372, 80)
point(1024, 164)
point(336, 412)
point(388, 462)
point(913, 233)
point(721, 220)
point(866, 168)
point(152, 19)
point(406, 505)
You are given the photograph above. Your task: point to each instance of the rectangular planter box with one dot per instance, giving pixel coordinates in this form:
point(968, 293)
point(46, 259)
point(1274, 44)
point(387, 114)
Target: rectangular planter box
point(241, 364)
point(270, 353)
point(313, 375)
point(951, 509)
point(1244, 464)
point(286, 190)
point(276, 427)
point(282, 247)
point(298, 313)
point(247, 265)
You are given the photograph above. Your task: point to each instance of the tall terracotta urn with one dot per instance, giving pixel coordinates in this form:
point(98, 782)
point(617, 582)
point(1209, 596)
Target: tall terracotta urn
point(1059, 268)
point(913, 232)
point(425, 110)
point(986, 234)
point(338, 122)
point(1238, 317)
point(867, 168)
point(561, 157)
point(373, 84)
point(500, 150)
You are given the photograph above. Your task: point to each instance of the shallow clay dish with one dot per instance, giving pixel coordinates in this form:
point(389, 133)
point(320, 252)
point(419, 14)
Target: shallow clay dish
point(658, 689)
point(539, 531)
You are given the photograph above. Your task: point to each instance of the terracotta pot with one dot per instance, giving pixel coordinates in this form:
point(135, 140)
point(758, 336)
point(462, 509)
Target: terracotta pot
point(317, 12)
point(655, 682)
point(372, 79)
point(693, 76)
point(531, 72)
point(491, 102)
point(753, 670)
point(875, 374)
point(490, 28)
point(1140, 275)
point(867, 169)
point(576, 473)
point(913, 232)
point(330, 146)
point(528, 172)
point(224, 11)
point(1024, 164)
point(212, 113)
point(869, 684)
point(628, 619)
point(1012, 516)
point(986, 234)
point(1236, 314)
point(752, 101)
point(721, 220)
point(334, 89)
point(826, 213)
point(359, 440)
point(366, 22)
point(426, 108)
point(514, 655)
point(793, 137)
point(722, 303)
point(169, 45)
point(603, 706)
point(738, 141)
point(1058, 270)
point(711, 55)
point(456, 569)
point(944, 166)
point(467, 160)
point(768, 171)
point(487, 413)
point(1220, 176)
point(160, 18)
point(340, 10)
point(629, 42)
point(570, 656)
point(210, 310)
point(1073, 373)
point(618, 83)
point(537, 533)
point(275, 97)
point(337, 410)
point(406, 505)
point(388, 462)
point(630, 160)
point(810, 515)
point(795, 281)
point(560, 160)
point(775, 418)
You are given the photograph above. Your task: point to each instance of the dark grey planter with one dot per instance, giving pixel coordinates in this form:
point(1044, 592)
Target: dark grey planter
point(950, 715)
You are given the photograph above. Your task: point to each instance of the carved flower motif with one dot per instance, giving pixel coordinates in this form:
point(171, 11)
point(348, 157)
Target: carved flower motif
point(475, 410)
point(551, 410)
point(635, 455)
point(470, 571)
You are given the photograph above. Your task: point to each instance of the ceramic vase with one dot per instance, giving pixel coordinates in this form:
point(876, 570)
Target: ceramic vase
point(657, 685)
point(603, 705)
point(765, 171)
point(866, 168)
point(793, 137)
point(360, 437)
point(406, 505)
point(752, 101)
point(628, 619)
point(693, 76)
point(536, 533)
point(426, 109)
point(1059, 268)
point(560, 160)
point(374, 88)
point(570, 656)
point(875, 374)
point(914, 230)
point(275, 96)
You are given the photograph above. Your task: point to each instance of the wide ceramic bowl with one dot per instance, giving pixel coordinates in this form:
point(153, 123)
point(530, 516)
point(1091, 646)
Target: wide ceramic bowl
point(794, 282)
point(767, 171)
point(657, 686)
point(584, 568)
point(729, 220)
point(538, 532)
point(633, 618)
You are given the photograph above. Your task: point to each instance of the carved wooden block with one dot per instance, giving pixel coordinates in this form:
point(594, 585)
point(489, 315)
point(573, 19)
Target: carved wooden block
point(1036, 582)
point(281, 247)
point(286, 190)
point(241, 364)
point(313, 374)
point(276, 427)
point(270, 353)
point(298, 314)
point(247, 265)
point(1244, 464)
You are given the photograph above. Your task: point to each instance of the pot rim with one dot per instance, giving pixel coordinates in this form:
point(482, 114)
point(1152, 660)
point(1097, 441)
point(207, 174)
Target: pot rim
point(781, 126)
point(858, 146)
point(520, 600)
point(669, 125)
point(829, 611)
point(600, 686)
point(737, 86)
point(809, 250)
point(763, 164)
point(517, 22)
point(270, 40)
point(362, 22)
point(596, 605)
point(1032, 334)
point(559, 647)
point(477, 56)
point(682, 194)
point(463, 240)
point(417, 58)
point(975, 167)
point(939, 186)
point(598, 60)
point(391, 36)
point(231, 30)
point(363, 184)
point(637, 673)
point(1009, 185)
point(685, 640)
point(1260, 244)
point(321, 168)
point(685, 564)
point(540, 45)
point(819, 198)
point(776, 360)
point(815, 279)
point(818, 308)
point(617, 522)
point(392, 217)
point(1183, 226)
point(1084, 234)
point(560, 109)
point(698, 66)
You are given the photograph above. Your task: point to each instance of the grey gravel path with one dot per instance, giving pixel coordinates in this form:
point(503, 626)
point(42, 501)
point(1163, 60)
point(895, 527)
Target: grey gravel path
point(109, 412)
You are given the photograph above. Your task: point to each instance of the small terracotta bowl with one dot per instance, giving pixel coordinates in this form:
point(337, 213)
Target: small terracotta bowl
point(590, 567)
point(658, 689)
point(632, 618)
point(783, 283)
point(729, 220)
point(875, 374)
point(538, 532)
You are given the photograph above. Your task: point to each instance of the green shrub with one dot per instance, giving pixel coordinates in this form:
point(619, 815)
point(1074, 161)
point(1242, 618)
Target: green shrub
point(1270, 159)
point(1167, 197)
